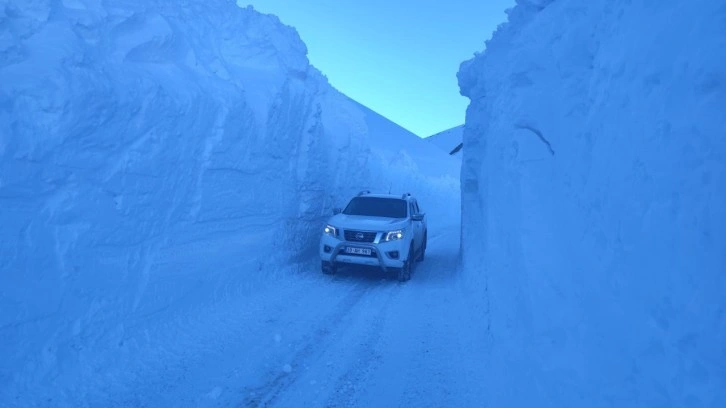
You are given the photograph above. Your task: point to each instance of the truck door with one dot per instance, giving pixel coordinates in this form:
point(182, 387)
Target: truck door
point(416, 225)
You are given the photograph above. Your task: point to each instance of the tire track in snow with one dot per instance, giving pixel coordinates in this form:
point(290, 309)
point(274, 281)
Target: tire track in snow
point(417, 351)
point(363, 355)
point(215, 347)
point(321, 339)
point(365, 358)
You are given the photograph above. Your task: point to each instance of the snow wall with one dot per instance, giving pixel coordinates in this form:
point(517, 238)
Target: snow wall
point(156, 157)
point(594, 203)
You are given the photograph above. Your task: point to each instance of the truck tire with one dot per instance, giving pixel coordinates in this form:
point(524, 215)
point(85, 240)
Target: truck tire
point(422, 254)
point(328, 268)
point(404, 273)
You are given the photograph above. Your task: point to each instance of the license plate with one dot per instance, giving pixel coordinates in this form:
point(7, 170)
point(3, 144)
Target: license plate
point(357, 251)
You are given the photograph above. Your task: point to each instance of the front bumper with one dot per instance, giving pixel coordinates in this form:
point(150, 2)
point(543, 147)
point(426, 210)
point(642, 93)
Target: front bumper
point(333, 250)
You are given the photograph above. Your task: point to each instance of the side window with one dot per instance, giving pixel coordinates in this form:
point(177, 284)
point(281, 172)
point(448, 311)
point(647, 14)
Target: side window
point(411, 211)
point(418, 210)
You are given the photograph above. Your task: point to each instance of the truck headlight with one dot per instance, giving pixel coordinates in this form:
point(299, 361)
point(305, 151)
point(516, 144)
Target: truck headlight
point(330, 230)
point(393, 235)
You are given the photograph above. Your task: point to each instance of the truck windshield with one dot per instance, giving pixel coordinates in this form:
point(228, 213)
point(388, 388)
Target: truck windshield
point(376, 207)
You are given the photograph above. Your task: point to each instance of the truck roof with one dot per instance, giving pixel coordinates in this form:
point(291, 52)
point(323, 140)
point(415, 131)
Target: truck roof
point(377, 195)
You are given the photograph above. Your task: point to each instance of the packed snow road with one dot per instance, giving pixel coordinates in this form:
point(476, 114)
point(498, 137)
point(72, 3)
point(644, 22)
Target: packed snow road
point(354, 339)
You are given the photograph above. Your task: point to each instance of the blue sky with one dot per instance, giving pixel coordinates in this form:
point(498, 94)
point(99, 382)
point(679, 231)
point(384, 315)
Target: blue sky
point(399, 58)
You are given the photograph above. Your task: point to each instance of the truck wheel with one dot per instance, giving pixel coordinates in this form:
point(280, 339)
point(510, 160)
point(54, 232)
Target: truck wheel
point(404, 273)
point(328, 268)
point(422, 255)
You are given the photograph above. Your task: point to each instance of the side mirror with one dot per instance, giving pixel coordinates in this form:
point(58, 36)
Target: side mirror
point(418, 217)
point(336, 211)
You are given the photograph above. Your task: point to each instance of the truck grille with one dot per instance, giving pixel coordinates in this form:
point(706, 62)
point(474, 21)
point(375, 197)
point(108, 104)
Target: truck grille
point(359, 236)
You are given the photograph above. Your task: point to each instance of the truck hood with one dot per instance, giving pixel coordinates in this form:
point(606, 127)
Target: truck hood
point(361, 222)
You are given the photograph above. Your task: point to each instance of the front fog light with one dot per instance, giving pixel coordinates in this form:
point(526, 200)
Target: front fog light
point(394, 235)
point(330, 230)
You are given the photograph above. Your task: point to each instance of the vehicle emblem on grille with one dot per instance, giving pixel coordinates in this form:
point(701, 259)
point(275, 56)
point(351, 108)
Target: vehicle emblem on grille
point(359, 235)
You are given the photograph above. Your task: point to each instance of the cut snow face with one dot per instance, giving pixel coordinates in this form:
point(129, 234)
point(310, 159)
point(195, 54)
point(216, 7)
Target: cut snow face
point(156, 159)
point(594, 207)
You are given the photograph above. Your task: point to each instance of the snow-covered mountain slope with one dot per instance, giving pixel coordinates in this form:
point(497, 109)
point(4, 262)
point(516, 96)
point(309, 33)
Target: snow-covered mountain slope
point(594, 203)
point(448, 140)
point(156, 158)
point(397, 149)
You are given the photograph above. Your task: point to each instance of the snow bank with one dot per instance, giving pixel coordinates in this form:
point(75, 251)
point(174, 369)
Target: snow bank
point(594, 202)
point(155, 157)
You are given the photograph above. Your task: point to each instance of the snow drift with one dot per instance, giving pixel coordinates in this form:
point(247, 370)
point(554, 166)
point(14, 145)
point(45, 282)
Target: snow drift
point(156, 157)
point(594, 202)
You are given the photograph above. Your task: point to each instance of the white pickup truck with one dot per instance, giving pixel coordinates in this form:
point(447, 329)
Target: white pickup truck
point(382, 230)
